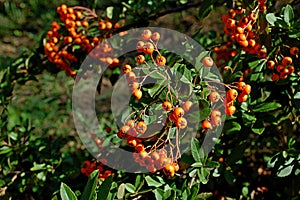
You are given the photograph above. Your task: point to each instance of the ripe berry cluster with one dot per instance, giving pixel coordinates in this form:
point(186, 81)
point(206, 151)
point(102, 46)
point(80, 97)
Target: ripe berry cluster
point(232, 94)
point(90, 166)
point(281, 66)
point(62, 38)
point(153, 156)
point(242, 28)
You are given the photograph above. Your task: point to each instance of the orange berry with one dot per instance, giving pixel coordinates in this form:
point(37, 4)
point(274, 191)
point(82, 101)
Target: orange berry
point(187, 106)
point(239, 29)
point(215, 113)
point(155, 155)
point(287, 61)
point(230, 110)
point(181, 123)
point(141, 127)
point(131, 141)
point(131, 76)
point(275, 77)
point(294, 51)
point(214, 96)
point(231, 94)
point(146, 35)
point(148, 48)
point(262, 53)
point(243, 43)
point(231, 13)
point(139, 148)
point(270, 64)
point(102, 25)
point(167, 106)
point(216, 121)
point(178, 112)
point(206, 125)
point(207, 61)
point(126, 69)
point(242, 37)
point(140, 59)
point(241, 85)
point(242, 97)
point(247, 89)
point(140, 46)
point(253, 16)
point(280, 68)
point(130, 123)
point(155, 36)
point(161, 60)
point(85, 24)
point(108, 25)
point(291, 69)
point(137, 94)
point(134, 85)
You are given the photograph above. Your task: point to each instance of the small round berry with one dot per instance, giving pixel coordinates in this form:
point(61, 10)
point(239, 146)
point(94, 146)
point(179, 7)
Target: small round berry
point(181, 123)
point(275, 77)
point(241, 85)
point(207, 61)
point(187, 106)
point(140, 59)
point(206, 125)
point(140, 46)
point(167, 106)
point(287, 61)
point(155, 36)
point(178, 112)
point(294, 51)
point(126, 69)
point(137, 94)
point(141, 127)
point(148, 48)
point(242, 97)
point(247, 89)
point(146, 35)
point(270, 64)
point(214, 96)
point(161, 60)
point(230, 110)
point(231, 94)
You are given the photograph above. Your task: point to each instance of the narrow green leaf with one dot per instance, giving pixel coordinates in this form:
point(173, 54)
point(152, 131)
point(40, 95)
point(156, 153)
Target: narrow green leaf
point(66, 193)
point(130, 188)
point(266, 107)
point(196, 151)
point(151, 182)
point(288, 14)
point(121, 191)
point(104, 188)
point(285, 171)
point(89, 192)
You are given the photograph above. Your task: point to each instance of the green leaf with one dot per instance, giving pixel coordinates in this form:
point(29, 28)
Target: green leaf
point(151, 182)
point(157, 88)
point(266, 107)
point(121, 191)
point(5, 150)
point(89, 192)
point(130, 188)
point(258, 127)
point(37, 167)
point(104, 188)
point(159, 194)
point(204, 108)
point(203, 174)
point(231, 127)
point(294, 33)
point(271, 18)
point(248, 119)
point(285, 171)
point(66, 193)
point(288, 14)
point(197, 152)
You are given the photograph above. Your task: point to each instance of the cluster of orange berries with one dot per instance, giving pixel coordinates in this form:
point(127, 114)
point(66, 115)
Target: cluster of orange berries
point(232, 94)
point(282, 69)
point(59, 46)
point(241, 30)
point(175, 115)
point(224, 53)
point(90, 166)
point(157, 160)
